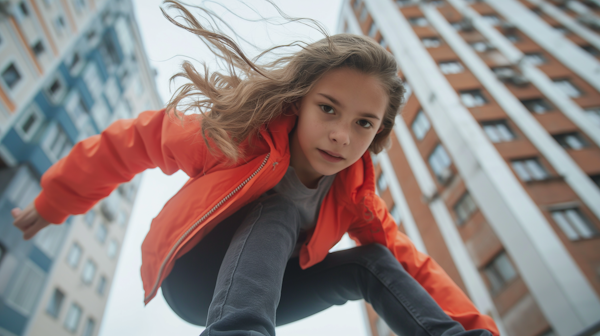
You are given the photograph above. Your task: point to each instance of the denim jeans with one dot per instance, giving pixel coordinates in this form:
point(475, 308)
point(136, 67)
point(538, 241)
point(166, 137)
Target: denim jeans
point(240, 280)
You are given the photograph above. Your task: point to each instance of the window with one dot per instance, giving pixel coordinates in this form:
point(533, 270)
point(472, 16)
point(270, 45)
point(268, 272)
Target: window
point(23, 293)
point(560, 29)
point(49, 239)
point(431, 42)
point(529, 169)
point(74, 255)
point(538, 105)
point(89, 217)
point(23, 188)
point(382, 183)
point(73, 317)
point(113, 247)
point(568, 88)
point(29, 123)
point(55, 303)
point(591, 50)
point(38, 48)
point(363, 14)
point(101, 114)
point(594, 114)
point(595, 178)
point(439, 161)
point(451, 67)
point(89, 271)
point(56, 142)
point(373, 30)
point(570, 140)
point(383, 43)
point(491, 19)
point(498, 131)
point(480, 46)
point(101, 285)
point(534, 58)
point(74, 63)
point(420, 125)
point(457, 25)
point(89, 327)
point(59, 25)
point(101, 233)
point(77, 108)
point(395, 212)
point(499, 272)
point(112, 91)
point(56, 90)
point(418, 21)
point(512, 37)
point(472, 98)
point(574, 224)
point(23, 8)
point(464, 208)
point(11, 75)
point(403, 3)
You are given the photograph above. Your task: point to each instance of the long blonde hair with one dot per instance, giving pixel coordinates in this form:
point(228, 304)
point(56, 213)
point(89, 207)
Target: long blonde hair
point(234, 105)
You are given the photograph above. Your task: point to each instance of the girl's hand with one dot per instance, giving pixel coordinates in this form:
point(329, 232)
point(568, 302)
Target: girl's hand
point(28, 220)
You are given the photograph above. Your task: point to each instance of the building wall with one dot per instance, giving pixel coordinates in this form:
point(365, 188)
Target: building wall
point(501, 236)
point(68, 69)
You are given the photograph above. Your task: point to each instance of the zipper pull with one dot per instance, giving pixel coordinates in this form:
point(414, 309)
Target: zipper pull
point(274, 164)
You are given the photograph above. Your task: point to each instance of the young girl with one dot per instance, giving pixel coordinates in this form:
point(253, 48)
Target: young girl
point(280, 170)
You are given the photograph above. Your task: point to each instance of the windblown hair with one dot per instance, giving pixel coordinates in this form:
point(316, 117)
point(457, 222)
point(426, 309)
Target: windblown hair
point(235, 105)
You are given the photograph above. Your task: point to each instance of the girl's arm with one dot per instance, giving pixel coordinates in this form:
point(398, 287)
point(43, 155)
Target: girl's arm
point(424, 269)
point(97, 165)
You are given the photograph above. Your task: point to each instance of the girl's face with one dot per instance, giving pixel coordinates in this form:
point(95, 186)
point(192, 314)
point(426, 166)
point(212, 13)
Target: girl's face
point(337, 121)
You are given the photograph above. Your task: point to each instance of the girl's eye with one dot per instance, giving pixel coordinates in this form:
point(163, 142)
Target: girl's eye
point(327, 109)
point(365, 123)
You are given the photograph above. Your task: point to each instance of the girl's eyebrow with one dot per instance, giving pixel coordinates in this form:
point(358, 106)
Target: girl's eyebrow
point(335, 102)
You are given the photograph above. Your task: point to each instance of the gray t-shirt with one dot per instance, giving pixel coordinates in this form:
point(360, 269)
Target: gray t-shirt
point(308, 201)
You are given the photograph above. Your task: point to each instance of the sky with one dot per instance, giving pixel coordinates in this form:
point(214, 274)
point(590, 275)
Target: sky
point(167, 46)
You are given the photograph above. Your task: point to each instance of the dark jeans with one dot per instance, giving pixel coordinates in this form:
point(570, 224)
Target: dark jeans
point(240, 280)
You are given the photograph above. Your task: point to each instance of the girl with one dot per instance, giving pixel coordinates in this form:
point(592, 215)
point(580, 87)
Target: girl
point(280, 169)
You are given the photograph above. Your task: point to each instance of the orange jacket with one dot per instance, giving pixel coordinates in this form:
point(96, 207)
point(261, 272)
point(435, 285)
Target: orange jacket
point(97, 165)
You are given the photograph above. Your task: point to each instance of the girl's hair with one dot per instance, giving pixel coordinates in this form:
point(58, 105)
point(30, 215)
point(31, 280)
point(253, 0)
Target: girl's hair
point(235, 105)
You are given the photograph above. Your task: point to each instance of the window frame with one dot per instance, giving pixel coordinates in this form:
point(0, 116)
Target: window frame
point(419, 123)
point(492, 268)
point(451, 67)
point(79, 311)
point(476, 95)
point(563, 140)
point(466, 205)
point(51, 304)
point(529, 103)
point(16, 89)
point(571, 228)
point(525, 166)
point(88, 272)
point(431, 42)
point(565, 85)
point(32, 109)
point(56, 98)
point(488, 125)
point(75, 264)
point(439, 159)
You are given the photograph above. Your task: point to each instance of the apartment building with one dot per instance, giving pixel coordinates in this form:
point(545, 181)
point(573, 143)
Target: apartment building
point(68, 68)
point(494, 168)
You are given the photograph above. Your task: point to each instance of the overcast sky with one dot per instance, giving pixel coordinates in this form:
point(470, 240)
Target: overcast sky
point(166, 45)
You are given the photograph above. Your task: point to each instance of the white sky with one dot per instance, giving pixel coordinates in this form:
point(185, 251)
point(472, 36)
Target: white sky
point(125, 313)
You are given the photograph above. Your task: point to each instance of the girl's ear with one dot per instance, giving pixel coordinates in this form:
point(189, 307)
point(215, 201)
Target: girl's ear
point(380, 129)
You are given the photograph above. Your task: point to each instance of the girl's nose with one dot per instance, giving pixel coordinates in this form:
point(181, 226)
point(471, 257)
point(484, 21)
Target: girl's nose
point(340, 135)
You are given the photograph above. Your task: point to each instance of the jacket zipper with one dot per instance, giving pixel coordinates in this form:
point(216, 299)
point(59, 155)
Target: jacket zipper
point(162, 266)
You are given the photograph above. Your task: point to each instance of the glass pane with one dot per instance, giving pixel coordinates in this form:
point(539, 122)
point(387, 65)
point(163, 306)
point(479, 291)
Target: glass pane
point(494, 278)
point(535, 169)
point(73, 317)
point(490, 130)
point(579, 223)
point(55, 303)
point(74, 255)
point(504, 132)
point(573, 141)
point(564, 225)
point(521, 171)
point(594, 115)
point(89, 327)
point(505, 268)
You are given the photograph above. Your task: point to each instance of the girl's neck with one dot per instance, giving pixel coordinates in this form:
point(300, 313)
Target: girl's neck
point(305, 172)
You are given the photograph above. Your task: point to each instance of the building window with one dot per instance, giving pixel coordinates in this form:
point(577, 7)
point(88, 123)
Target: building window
point(74, 255)
point(56, 90)
point(491, 19)
point(480, 46)
point(594, 114)
point(420, 125)
point(89, 217)
point(403, 3)
point(77, 108)
point(534, 58)
point(55, 303)
point(396, 215)
point(574, 224)
point(570, 140)
point(74, 63)
point(464, 208)
point(431, 42)
point(472, 98)
point(498, 131)
point(418, 21)
point(89, 327)
point(73, 317)
point(113, 247)
point(11, 75)
point(49, 239)
point(56, 142)
point(591, 50)
point(382, 183)
point(499, 272)
point(513, 37)
point(26, 288)
point(457, 25)
point(383, 43)
point(38, 48)
point(101, 285)
point(439, 161)
point(101, 233)
point(59, 25)
point(23, 189)
point(529, 169)
point(89, 271)
point(595, 178)
point(373, 30)
point(112, 91)
point(538, 105)
point(23, 8)
point(568, 88)
point(29, 123)
point(560, 29)
point(363, 14)
point(451, 67)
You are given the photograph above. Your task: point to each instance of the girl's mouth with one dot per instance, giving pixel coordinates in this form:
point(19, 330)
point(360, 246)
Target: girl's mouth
point(329, 157)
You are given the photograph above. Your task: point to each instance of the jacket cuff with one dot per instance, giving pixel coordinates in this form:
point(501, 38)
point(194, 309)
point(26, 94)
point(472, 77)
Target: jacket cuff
point(48, 211)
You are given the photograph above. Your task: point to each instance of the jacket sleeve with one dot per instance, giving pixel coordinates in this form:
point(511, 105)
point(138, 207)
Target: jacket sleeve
point(97, 165)
point(422, 268)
